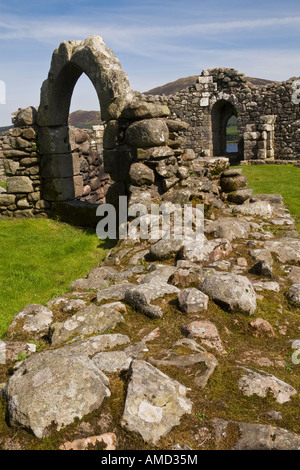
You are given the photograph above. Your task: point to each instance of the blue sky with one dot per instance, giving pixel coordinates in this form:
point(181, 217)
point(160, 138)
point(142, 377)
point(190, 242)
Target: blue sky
point(157, 41)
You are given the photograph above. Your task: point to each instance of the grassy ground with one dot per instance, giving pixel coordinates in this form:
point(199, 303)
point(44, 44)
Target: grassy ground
point(277, 179)
point(3, 184)
point(39, 259)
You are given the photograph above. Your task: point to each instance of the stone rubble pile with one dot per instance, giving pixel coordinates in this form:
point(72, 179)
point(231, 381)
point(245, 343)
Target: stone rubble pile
point(90, 334)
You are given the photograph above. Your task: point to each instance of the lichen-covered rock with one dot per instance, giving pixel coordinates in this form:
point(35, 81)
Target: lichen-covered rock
point(231, 291)
point(286, 250)
point(206, 332)
point(260, 383)
point(91, 320)
point(192, 300)
point(147, 133)
point(293, 294)
point(141, 174)
point(203, 250)
point(201, 362)
point(154, 402)
point(258, 208)
point(141, 296)
point(233, 183)
point(229, 228)
point(252, 436)
point(51, 389)
point(32, 322)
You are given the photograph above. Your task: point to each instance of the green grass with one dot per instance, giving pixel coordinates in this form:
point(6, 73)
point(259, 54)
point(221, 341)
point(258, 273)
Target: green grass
point(3, 184)
point(39, 258)
point(276, 179)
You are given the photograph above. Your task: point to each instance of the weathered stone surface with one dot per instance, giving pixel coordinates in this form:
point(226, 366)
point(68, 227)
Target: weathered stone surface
point(32, 321)
point(94, 58)
point(233, 292)
point(66, 305)
point(89, 284)
point(19, 184)
point(229, 228)
point(203, 250)
point(7, 199)
point(11, 351)
point(108, 440)
point(259, 208)
point(112, 361)
point(141, 174)
point(140, 297)
point(233, 183)
point(62, 189)
point(147, 133)
point(50, 389)
point(206, 332)
point(262, 328)
point(91, 320)
point(198, 356)
point(165, 249)
point(25, 117)
point(95, 344)
point(189, 276)
point(116, 292)
point(60, 166)
point(192, 300)
point(260, 383)
point(293, 294)
point(139, 109)
point(154, 402)
point(272, 286)
point(256, 436)
point(286, 250)
point(294, 274)
point(263, 255)
point(261, 268)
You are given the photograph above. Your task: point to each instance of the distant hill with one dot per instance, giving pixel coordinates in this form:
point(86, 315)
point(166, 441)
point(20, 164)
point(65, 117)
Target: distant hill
point(85, 119)
point(4, 129)
point(172, 87)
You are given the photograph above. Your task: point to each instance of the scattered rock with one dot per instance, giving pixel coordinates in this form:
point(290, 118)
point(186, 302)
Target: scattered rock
point(51, 389)
point(11, 351)
point(262, 328)
point(199, 357)
point(250, 436)
point(261, 268)
point(286, 250)
point(192, 300)
point(259, 208)
point(260, 383)
point(32, 322)
point(229, 228)
point(112, 361)
point(293, 294)
point(154, 402)
point(141, 296)
point(109, 440)
point(233, 292)
point(92, 320)
point(203, 250)
point(206, 332)
point(272, 286)
point(116, 292)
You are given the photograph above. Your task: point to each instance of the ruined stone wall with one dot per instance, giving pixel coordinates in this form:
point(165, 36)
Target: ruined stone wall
point(22, 169)
point(268, 119)
point(88, 144)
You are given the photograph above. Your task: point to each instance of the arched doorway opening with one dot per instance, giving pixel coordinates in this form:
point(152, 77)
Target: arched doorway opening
point(60, 168)
point(224, 125)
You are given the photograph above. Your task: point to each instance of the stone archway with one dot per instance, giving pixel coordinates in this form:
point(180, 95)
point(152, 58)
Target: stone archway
point(221, 112)
point(61, 180)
